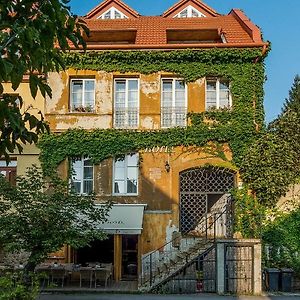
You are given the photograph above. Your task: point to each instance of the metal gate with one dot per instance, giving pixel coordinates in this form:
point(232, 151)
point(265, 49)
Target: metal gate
point(195, 187)
point(239, 263)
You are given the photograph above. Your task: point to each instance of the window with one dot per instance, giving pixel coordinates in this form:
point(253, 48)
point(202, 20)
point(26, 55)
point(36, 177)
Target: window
point(125, 175)
point(126, 103)
point(173, 103)
point(82, 178)
point(82, 95)
point(217, 94)
point(9, 171)
point(189, 12)
point(113, 13)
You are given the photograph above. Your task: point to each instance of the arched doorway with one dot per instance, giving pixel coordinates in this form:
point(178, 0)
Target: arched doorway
point(203, 195)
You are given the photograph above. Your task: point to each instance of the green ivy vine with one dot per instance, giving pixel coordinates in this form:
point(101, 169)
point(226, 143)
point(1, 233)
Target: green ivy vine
point(239, 126)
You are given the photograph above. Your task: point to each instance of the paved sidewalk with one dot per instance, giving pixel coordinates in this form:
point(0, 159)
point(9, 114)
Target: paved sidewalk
point(95, 296)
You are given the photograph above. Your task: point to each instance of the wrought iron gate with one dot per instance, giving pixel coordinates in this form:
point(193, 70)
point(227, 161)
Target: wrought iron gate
point(195, 187)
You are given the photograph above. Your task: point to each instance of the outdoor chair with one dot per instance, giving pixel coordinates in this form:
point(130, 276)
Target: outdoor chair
point(86, 274)
point(58, 274)
point(102, 275)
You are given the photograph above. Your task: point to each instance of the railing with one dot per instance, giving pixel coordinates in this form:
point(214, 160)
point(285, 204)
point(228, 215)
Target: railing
point(166, 259)
point(173, 116)
point(126, 117)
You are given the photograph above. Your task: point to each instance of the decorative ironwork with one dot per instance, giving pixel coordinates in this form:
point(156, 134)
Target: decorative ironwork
point(195, 186)
point(126, 117)
point(173, 116)
point(192, 207)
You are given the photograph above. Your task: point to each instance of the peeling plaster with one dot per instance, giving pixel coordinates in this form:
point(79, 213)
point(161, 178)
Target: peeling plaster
point(148, 123)
point(199, 82)
point(103, 122)
point(57, 85)
point(104, 94)
point(169, 231)
point(149, 87)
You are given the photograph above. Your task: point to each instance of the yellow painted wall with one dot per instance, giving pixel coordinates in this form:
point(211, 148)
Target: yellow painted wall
point(58, 108)
point(29, 103)
point(34, 106)
point(157, 188)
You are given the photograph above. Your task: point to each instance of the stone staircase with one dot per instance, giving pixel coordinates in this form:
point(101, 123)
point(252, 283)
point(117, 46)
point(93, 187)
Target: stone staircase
point(162, 264)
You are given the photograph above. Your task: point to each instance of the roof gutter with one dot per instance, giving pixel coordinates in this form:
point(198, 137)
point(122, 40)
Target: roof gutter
point(173, 47)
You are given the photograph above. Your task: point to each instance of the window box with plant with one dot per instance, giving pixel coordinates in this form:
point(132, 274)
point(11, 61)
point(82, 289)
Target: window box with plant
point(82, 95)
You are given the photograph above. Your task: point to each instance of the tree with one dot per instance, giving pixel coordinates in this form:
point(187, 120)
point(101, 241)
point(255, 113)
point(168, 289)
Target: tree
point(40, 215)
point(33, 36)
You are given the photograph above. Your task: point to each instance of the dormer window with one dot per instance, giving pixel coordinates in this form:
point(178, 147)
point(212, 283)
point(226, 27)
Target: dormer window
point(112, 13)
point(190, 12)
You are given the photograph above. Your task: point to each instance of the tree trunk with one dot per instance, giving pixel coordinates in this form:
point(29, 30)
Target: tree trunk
point(29, 268)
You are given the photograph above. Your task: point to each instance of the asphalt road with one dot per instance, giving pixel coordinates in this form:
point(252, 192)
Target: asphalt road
point(158, 297)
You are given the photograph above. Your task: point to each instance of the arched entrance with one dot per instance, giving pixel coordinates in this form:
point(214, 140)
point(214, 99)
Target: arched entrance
point(203, 195)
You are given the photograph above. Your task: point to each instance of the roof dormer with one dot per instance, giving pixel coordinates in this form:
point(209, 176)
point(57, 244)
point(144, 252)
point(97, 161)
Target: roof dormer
point(112, 13)
point(112, 9)
point(190, 12)
point(190, 9)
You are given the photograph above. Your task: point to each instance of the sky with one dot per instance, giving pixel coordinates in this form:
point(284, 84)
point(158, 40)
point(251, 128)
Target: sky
point(279, 23)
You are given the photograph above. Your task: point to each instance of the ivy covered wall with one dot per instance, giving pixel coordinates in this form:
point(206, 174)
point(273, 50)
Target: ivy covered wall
point(239, 126)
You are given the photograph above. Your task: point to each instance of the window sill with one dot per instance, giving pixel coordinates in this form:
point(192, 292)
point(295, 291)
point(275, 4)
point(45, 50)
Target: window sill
point(125, 195)
point(82, 112)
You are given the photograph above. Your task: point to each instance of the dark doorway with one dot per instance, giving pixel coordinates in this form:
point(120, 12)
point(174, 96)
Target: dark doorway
point(129, 257)
point(99, 251)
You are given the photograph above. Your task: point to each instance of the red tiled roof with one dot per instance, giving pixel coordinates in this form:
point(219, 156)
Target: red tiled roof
point(151, 32)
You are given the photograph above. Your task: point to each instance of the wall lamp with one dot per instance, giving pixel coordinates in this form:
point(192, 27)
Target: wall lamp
point(167, 166)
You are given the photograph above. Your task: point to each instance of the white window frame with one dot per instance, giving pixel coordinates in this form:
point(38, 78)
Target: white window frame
point(112, 11)
point(173, 100)
point(217, 80)
point(125, 177)
point(83, 94)
point(127, 126)
point(189, 9)
point(82, 159)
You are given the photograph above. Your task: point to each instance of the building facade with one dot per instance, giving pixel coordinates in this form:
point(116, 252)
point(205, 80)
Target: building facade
point(161, 109)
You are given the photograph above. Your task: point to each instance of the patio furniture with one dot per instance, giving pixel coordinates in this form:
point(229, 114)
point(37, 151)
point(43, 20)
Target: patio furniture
point(58, 273)
point(102, 274)
point(86, 274)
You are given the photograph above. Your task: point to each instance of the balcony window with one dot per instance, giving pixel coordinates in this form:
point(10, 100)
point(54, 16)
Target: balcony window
point(126, 103)
point(217, 94)
point(173, 103)
point(125, 175)
point(82, 95)
point(82, 175)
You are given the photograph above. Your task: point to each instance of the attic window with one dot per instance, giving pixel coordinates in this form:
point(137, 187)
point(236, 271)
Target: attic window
point(194, 36)
point(190, 12)
point(112, 13)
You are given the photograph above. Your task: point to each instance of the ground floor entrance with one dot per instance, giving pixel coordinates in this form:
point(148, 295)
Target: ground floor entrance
point(122, 251)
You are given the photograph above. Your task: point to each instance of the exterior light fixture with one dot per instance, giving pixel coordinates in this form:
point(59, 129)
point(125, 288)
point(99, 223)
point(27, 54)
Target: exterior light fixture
point(167, 166)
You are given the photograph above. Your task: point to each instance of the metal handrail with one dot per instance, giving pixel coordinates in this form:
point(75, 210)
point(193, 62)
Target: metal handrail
point(161, 250)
